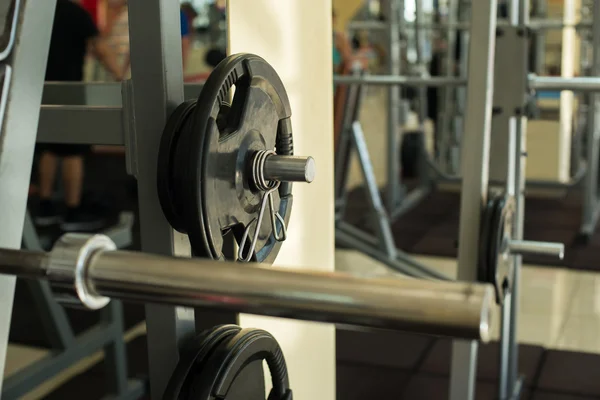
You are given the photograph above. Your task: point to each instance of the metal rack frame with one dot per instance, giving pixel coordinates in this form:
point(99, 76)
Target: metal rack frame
point(68, 348)
point(155, 89)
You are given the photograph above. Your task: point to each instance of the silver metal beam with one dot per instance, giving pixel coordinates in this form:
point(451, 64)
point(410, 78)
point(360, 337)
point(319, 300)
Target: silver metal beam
point(454, 309)
point(394, 10)
point(17, 136)
point(81, 125)
point(534, 24)
point(475, 164)
point(391, 80)
point(96, 93)
point(157, 78)
point(577, 84)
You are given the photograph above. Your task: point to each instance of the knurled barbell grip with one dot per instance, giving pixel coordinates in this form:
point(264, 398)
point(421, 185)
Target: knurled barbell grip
point(524, 247)
point(289, 169)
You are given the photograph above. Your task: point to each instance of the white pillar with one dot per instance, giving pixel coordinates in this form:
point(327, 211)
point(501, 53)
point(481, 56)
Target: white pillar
point(295, 36)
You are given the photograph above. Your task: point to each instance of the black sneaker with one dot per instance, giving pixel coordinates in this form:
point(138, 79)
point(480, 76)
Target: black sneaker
point(48, 214)
point(80, 220)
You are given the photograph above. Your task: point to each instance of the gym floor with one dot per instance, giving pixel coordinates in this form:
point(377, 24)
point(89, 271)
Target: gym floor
point(560, 308)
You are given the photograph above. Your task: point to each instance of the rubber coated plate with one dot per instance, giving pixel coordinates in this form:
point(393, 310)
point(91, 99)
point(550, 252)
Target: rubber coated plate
point(170, 202)
point(214, 152)
point(193, 357)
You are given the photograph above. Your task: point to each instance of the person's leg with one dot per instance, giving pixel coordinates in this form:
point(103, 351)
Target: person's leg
point(72, 172)
point(77, 217)
point(47, 173)
point(48, 213)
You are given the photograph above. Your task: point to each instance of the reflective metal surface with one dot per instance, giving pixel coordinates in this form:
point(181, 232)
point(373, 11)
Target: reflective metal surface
point(578, 84)
point(386, 80)
point(524, 247)
point(426, 307)
point(290, 169)
point(462, 310)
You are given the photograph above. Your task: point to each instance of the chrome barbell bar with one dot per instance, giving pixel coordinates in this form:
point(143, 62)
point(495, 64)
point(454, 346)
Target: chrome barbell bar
point(88, 270)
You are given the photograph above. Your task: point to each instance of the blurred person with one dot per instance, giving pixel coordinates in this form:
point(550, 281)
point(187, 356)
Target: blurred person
point(118, 34)
point(73, 32)
point(342, 50)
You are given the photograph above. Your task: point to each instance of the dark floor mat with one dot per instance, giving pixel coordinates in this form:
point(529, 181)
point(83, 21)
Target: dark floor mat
point(431, 228)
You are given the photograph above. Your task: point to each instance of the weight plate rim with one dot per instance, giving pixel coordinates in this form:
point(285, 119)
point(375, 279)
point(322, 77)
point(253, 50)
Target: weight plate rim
point(194, 353)
point(172, 134)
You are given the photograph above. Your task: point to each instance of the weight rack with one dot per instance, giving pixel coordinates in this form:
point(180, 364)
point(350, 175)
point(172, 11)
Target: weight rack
point(153, 93)
point(499, 46)
point(135, 118)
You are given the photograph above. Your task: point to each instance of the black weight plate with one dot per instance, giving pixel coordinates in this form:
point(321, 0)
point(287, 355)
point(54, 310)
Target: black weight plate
point(499, 268)
point(235, 354)
point(166, 178)
point(192, 358)
point(213, 158)
point(484, 242)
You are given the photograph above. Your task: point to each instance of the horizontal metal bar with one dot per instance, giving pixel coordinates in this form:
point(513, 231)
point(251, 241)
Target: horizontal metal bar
point(96, 93)
point(366, 25)
point(575, 180)
point(387, 80)
point(81, 125)
point(526, 247)
point(350, 236)
point(534, 24)
point(578, 84)
point(453, 309)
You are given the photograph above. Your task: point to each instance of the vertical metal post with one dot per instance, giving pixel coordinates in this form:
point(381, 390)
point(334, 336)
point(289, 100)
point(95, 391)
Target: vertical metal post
point(475, 164)
point(461, 92)
point(420, 43)
point(540, 39)
point(590, 200)
point(17, 135)
point(443, 122)
point(395, 10)
point(510, 384)
point(157, 76)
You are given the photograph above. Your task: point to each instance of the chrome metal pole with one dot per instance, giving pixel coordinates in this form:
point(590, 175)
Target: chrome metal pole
point(290, 169)
point(391, 80)
point(578, 84)
point(454, 309)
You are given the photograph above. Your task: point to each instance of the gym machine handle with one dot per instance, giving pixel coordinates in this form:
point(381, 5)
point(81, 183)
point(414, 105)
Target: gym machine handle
point(93, 271)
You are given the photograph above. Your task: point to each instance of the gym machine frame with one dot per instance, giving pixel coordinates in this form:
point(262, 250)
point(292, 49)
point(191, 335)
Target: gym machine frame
point(510, 125)
point(66, 347)
point(154, 91)
point(586, 173)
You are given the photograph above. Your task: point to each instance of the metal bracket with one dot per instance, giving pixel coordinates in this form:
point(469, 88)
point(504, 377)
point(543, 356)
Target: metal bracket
point(130, 136)
point(510, 68)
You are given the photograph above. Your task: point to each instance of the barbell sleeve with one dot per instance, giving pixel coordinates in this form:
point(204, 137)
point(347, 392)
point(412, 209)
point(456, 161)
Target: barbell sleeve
point(453, 309)
point(290, 169)
point(525, 247)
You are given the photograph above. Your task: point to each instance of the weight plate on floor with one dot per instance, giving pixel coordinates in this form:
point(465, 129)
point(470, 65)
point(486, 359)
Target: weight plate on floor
point(207, 150)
